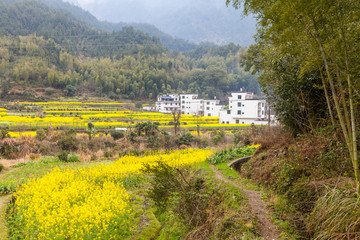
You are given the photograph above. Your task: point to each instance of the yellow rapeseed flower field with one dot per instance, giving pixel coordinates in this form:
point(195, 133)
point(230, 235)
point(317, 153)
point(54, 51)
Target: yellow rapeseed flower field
point(88, 202)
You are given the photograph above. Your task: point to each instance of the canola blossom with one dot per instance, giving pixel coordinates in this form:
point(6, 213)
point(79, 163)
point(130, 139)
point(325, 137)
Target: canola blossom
point(103, 115)
point(88, 202)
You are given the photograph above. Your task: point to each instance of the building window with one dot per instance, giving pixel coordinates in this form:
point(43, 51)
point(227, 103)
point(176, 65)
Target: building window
point(228, 111)
point(239, 112)
point(239, 104)
point(209, 114)
point(262, 112)
point(237, 121)
point(208, 103)
point(183, 112)
point(183, 106)
point(183, 97)
point(239, 96)
point(207, 108)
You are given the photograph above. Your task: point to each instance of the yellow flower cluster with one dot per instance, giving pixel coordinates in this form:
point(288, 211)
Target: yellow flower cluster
point(65, 204)
point(18, 134)
point(88, 202)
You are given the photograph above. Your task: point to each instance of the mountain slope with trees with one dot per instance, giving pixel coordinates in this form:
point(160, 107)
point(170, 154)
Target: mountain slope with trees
point(45, 47)
point(79, 15)
point(28, 17)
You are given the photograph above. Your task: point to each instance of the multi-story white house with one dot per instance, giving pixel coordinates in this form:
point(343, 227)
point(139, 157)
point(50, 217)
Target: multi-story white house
point(245, 108)
point(168, 103)
point(191, 104)
point(212, 108)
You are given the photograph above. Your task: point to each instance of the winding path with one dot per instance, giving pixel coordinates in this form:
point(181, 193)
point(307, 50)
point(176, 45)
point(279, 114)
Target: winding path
point(267, 229)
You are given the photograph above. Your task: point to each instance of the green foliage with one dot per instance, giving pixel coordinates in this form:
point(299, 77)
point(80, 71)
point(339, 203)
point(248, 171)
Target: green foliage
point(63, 156)
point(133, 66)
point(4, 134)
point(153, 142)
point(164, 182)
point(117, 134)
point(9, 149)
point(68, 143)
point(147, 128)
point(73, 158)
point(217, 139)
point(188, 195)
point(131, 136)
point(186, 139)
point(138, 105)
point(1, 167)
point(70, 90)
point(231, 154)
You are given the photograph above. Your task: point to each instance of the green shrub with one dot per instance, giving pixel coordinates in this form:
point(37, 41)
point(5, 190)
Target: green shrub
point(68, 143)
point(138, 105)
point(49, 91)
point(73, 158)
point(131, 136)
point(108, 154)
point(93, 157)
point(4, 134)
point(231, 154)
point(217, 139)
point(117, 134)
point(63, 156)
point(189, 197)
point(186, 139)
point(153, 142)
point(49, 159)
point(1, 167)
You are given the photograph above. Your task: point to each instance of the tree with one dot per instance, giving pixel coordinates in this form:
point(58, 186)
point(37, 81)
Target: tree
point(70, 90)
point(91, 130)
point(176, 117)
point(323, 35)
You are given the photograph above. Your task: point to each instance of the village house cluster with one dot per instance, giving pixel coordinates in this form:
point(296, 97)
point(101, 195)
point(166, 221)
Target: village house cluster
point(243, 108)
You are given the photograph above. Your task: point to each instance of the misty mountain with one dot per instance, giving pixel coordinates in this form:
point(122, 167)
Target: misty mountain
point(197, 21)
point(78, 13)
point(78, 38)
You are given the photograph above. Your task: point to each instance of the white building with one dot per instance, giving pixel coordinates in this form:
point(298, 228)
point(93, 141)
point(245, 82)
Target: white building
point(191, 104)
point(212, 108)
point(168, 103)
point(245, 108)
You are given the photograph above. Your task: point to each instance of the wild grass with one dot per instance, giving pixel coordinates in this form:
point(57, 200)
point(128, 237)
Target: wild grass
point(336, 216)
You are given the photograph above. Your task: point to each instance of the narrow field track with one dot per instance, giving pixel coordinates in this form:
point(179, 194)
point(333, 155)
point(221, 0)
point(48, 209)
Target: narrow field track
point(267, 229)
point(3, 203)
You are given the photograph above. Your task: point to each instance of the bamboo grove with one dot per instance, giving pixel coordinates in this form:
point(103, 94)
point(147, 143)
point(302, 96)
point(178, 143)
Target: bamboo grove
point(313, 44)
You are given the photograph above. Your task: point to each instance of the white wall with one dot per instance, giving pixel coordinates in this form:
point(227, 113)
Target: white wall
point(212, 108)
point(167, 103)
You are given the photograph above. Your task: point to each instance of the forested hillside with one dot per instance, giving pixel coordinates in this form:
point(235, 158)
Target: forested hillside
point(32, 61)
point(45, 47)
point(78, 14)
point(27, 17)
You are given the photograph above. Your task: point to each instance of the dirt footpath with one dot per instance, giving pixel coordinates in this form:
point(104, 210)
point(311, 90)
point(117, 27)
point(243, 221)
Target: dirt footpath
point(267, 229)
